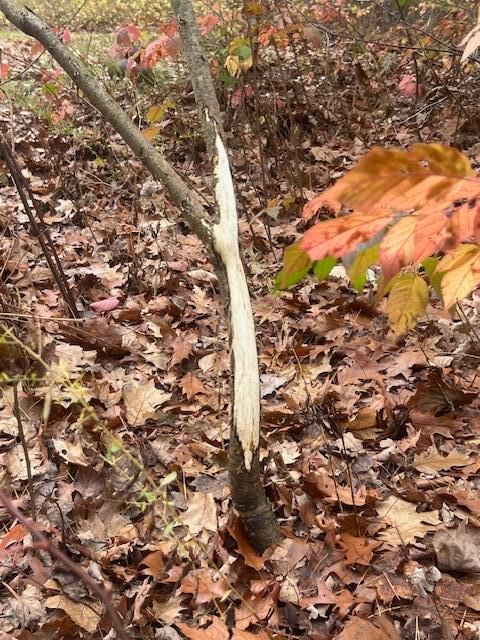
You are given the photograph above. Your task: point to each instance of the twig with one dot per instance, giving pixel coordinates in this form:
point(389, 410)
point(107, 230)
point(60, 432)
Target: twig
point(28, 465)
point(44, 544)
point(43, 236)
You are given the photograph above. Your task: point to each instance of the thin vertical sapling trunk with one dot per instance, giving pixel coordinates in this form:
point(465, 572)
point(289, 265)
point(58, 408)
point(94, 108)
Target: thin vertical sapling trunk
point(218, 232)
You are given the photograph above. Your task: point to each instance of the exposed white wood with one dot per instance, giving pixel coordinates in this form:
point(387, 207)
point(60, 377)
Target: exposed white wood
point(246, 382)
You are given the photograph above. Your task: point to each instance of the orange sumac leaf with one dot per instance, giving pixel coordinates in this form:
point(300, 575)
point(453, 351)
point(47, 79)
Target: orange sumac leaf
point(342, 235)
point(434, 182)
point(397, 179)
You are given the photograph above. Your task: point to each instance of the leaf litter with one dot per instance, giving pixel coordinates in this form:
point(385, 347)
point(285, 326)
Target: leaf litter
point(369, 441)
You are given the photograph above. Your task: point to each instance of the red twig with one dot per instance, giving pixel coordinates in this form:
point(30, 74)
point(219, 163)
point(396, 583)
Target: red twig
point(45, 544)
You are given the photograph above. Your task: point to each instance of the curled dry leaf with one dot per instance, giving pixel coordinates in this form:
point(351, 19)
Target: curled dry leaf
point(458, 549)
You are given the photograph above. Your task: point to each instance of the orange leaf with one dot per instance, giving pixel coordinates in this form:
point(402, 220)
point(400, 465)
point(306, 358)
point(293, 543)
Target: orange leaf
point(358, 550)
point(15, 534)
point(251, 557)
point(397, 248)
point(216, 631)
point(342, 235)
point(434, 181)
point(191, 385)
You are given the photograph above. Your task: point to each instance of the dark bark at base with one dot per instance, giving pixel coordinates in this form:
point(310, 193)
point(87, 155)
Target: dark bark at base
point(250, 501)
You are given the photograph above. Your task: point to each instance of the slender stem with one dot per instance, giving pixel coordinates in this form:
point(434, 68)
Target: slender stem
point(44, 544)
point(28, 464)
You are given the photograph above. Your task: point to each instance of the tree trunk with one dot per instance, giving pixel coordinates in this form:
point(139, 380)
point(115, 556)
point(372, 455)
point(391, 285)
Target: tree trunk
point(219, 233)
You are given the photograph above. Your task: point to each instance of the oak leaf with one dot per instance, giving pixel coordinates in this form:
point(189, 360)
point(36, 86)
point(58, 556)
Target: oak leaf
point(405, 523)
point(432, 461)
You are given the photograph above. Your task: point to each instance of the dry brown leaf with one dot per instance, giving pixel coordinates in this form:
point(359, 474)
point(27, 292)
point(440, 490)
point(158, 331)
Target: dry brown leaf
point(359, 629)
point(71, 451)
point(432, 460)
point(206, 584)
point(320, 484)
point(458, 549)
point(251, 557)
point(142, 399)
point(216, 631)
point(168, 611)
point(358, 550)
point(238, 634)
point(473, 602)
point(86, 616)
point(25, 610)
point(201, 513)
point(181, 350)
point(191, 385)
point(405, 523)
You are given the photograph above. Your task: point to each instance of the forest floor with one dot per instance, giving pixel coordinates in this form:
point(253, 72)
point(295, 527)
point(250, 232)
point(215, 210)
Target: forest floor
point(369, 440)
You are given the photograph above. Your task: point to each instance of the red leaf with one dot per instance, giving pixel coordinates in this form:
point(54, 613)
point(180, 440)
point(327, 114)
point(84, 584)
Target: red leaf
point(102, 306)
point(408, 85)
point(207, 23)
point(4, 70)
point(163, 47)
point(66, 36)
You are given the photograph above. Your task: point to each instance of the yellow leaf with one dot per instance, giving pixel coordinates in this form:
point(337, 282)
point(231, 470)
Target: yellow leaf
point(462, 267)
point(150, 133)
point(157, 112)
point(232, 65)
point(407, 302)
point(237, 44)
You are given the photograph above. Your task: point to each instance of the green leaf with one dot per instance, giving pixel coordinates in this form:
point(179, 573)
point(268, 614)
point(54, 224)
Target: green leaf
point(244, 52)
point(357, 271)
point(434, 277)
point(322, 268)
point(296, 265)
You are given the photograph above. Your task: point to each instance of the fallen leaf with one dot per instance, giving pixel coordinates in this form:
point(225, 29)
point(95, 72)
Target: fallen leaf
point(142, 399)
point(201, 513)
point(358, 550)
point(458, 549)
point(206, 584)
point(216, 631)
point(359, 629)
point(432, 460)
point(405, 523)
point(251, 557)
point(238, 634)
point(108, 304)
point(86, 616)
point(168, 611)
point(71, 451)
point(191, 385)
point(320, 484)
